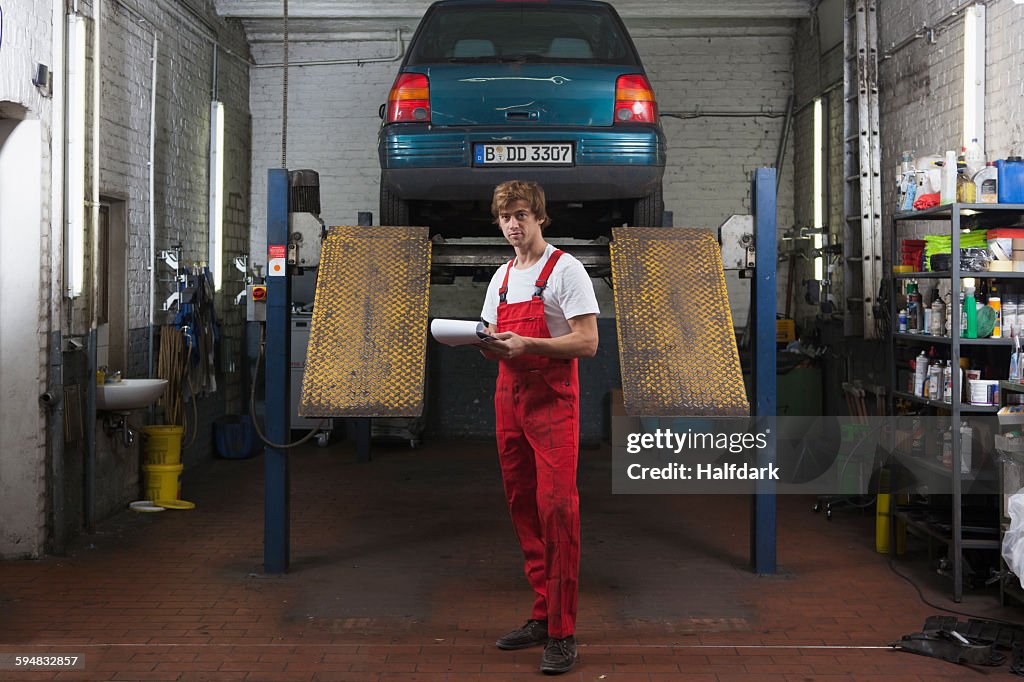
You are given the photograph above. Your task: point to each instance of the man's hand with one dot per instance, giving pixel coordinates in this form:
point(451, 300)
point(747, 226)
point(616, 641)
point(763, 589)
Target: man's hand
point(507, 345)
point(485, 350)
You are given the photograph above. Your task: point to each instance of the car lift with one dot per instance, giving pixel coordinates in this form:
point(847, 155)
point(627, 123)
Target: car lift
point(276, 552)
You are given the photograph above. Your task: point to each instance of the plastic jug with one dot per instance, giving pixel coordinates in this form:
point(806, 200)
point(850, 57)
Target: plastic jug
point(1011, 180)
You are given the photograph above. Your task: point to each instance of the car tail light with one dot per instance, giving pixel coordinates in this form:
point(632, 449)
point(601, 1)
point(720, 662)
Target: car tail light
point(409, 99)
point(634, 100)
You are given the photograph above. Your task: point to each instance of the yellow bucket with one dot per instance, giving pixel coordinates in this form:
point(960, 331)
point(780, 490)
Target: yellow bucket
point(163, 444)
point(163, 481)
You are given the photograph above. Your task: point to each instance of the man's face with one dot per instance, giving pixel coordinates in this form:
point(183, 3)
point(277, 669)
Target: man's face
point(518, 223)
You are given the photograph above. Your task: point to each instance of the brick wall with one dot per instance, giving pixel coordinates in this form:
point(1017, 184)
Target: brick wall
point(726, 66)
point(184, 88)
point(184, 84)
point(921, 85)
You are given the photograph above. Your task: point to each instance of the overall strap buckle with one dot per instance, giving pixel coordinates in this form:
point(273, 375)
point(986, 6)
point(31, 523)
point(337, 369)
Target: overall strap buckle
point(545, 273)
point(503, 291)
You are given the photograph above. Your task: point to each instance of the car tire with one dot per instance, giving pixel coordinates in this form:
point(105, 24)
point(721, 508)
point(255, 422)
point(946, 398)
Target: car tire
point(394, 211)
point(648, 211)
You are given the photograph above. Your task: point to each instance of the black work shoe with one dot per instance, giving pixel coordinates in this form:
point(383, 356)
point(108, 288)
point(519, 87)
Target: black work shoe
point(533, 633)
point(559, 655)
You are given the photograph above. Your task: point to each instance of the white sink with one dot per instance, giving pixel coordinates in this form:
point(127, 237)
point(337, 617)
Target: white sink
point(129, 394)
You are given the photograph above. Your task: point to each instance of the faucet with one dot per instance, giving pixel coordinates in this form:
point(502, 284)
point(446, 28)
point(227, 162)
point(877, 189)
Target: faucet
point(113, 377)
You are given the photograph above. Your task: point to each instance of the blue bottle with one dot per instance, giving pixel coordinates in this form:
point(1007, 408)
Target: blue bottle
point(1011, 180)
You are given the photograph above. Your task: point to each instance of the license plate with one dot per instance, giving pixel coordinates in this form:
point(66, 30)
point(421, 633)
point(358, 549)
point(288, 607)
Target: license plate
point(558, 154)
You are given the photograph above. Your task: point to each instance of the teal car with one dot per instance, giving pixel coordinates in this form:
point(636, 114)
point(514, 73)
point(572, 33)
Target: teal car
point(549, 90)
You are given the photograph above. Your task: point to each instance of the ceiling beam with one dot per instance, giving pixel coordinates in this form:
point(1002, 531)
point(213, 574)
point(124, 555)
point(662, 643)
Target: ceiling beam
point(412, 10)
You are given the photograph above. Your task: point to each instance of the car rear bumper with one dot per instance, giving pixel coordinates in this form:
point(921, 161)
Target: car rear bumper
point(421, 163)
point(581, 183)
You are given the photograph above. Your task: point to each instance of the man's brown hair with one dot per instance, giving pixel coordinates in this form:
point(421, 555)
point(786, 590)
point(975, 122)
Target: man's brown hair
point(512, 191)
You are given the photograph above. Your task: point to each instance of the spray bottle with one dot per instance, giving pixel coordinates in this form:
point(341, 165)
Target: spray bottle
point(920, 374)
point(971, 314)
point(938, 315)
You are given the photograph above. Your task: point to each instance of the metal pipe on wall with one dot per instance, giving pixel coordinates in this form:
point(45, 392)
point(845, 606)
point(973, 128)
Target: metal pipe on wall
point(55, 380)
point(94, 255)
point(94, 258)
point(151, 261)
point(399, 53)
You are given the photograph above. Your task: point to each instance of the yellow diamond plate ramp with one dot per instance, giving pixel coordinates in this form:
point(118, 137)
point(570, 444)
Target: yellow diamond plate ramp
point(367, 342)
point(677, 347)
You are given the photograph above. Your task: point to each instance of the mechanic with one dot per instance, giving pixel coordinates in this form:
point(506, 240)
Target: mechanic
point(542, 311)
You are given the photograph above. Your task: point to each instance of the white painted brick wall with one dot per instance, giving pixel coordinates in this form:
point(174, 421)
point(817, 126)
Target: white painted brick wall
point(27, 41)
point(184, 82)
point(709, 159)
point(184, 90)
point(922, 84)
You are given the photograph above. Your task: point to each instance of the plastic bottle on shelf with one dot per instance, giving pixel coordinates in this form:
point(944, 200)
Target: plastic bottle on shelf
point(947, 192)
point(987, 183)
point(1011, 180)
point(995, 303)
point(965, 189)
point(920, 374)
point(1009, 314)
point(907, 182)
point(970, 314)
point(974, 157)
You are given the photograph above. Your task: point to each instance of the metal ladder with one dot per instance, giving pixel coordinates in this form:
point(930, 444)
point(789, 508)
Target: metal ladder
point(862, 200)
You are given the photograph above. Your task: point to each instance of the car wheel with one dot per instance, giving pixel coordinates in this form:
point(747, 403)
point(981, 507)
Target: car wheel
point(394, 211)
point(648, 210)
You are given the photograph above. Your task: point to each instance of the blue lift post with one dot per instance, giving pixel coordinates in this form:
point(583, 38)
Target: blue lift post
point(763, 293)
point(276, 481)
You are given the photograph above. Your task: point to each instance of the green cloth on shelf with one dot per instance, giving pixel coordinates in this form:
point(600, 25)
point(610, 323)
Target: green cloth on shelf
point(938, 243)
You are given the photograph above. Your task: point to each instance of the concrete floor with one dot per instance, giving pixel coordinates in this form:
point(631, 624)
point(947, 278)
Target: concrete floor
point(407, 568)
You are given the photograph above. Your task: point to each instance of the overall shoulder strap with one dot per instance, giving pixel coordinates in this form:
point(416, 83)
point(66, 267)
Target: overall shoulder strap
point(503, 291)
point(545, 273)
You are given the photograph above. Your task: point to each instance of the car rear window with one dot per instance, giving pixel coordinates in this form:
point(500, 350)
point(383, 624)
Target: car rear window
point(531, 32)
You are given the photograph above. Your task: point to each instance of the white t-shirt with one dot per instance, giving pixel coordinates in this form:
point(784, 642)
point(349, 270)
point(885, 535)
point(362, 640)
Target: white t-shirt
point(569, 292)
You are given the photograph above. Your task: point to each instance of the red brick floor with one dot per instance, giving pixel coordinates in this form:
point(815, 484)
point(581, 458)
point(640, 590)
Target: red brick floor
point(407, 568)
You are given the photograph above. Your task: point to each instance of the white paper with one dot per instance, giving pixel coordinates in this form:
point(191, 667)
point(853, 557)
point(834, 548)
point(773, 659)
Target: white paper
point(459, 332)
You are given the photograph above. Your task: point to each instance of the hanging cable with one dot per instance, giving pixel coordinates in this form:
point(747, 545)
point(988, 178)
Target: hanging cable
point(920, 596)
point(191, 391)
point(252, 405)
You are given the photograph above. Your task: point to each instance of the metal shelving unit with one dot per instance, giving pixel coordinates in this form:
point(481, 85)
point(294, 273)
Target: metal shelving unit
point(960, 217)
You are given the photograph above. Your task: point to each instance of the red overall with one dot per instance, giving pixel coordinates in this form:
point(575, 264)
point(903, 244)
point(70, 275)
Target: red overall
point(537, 415)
